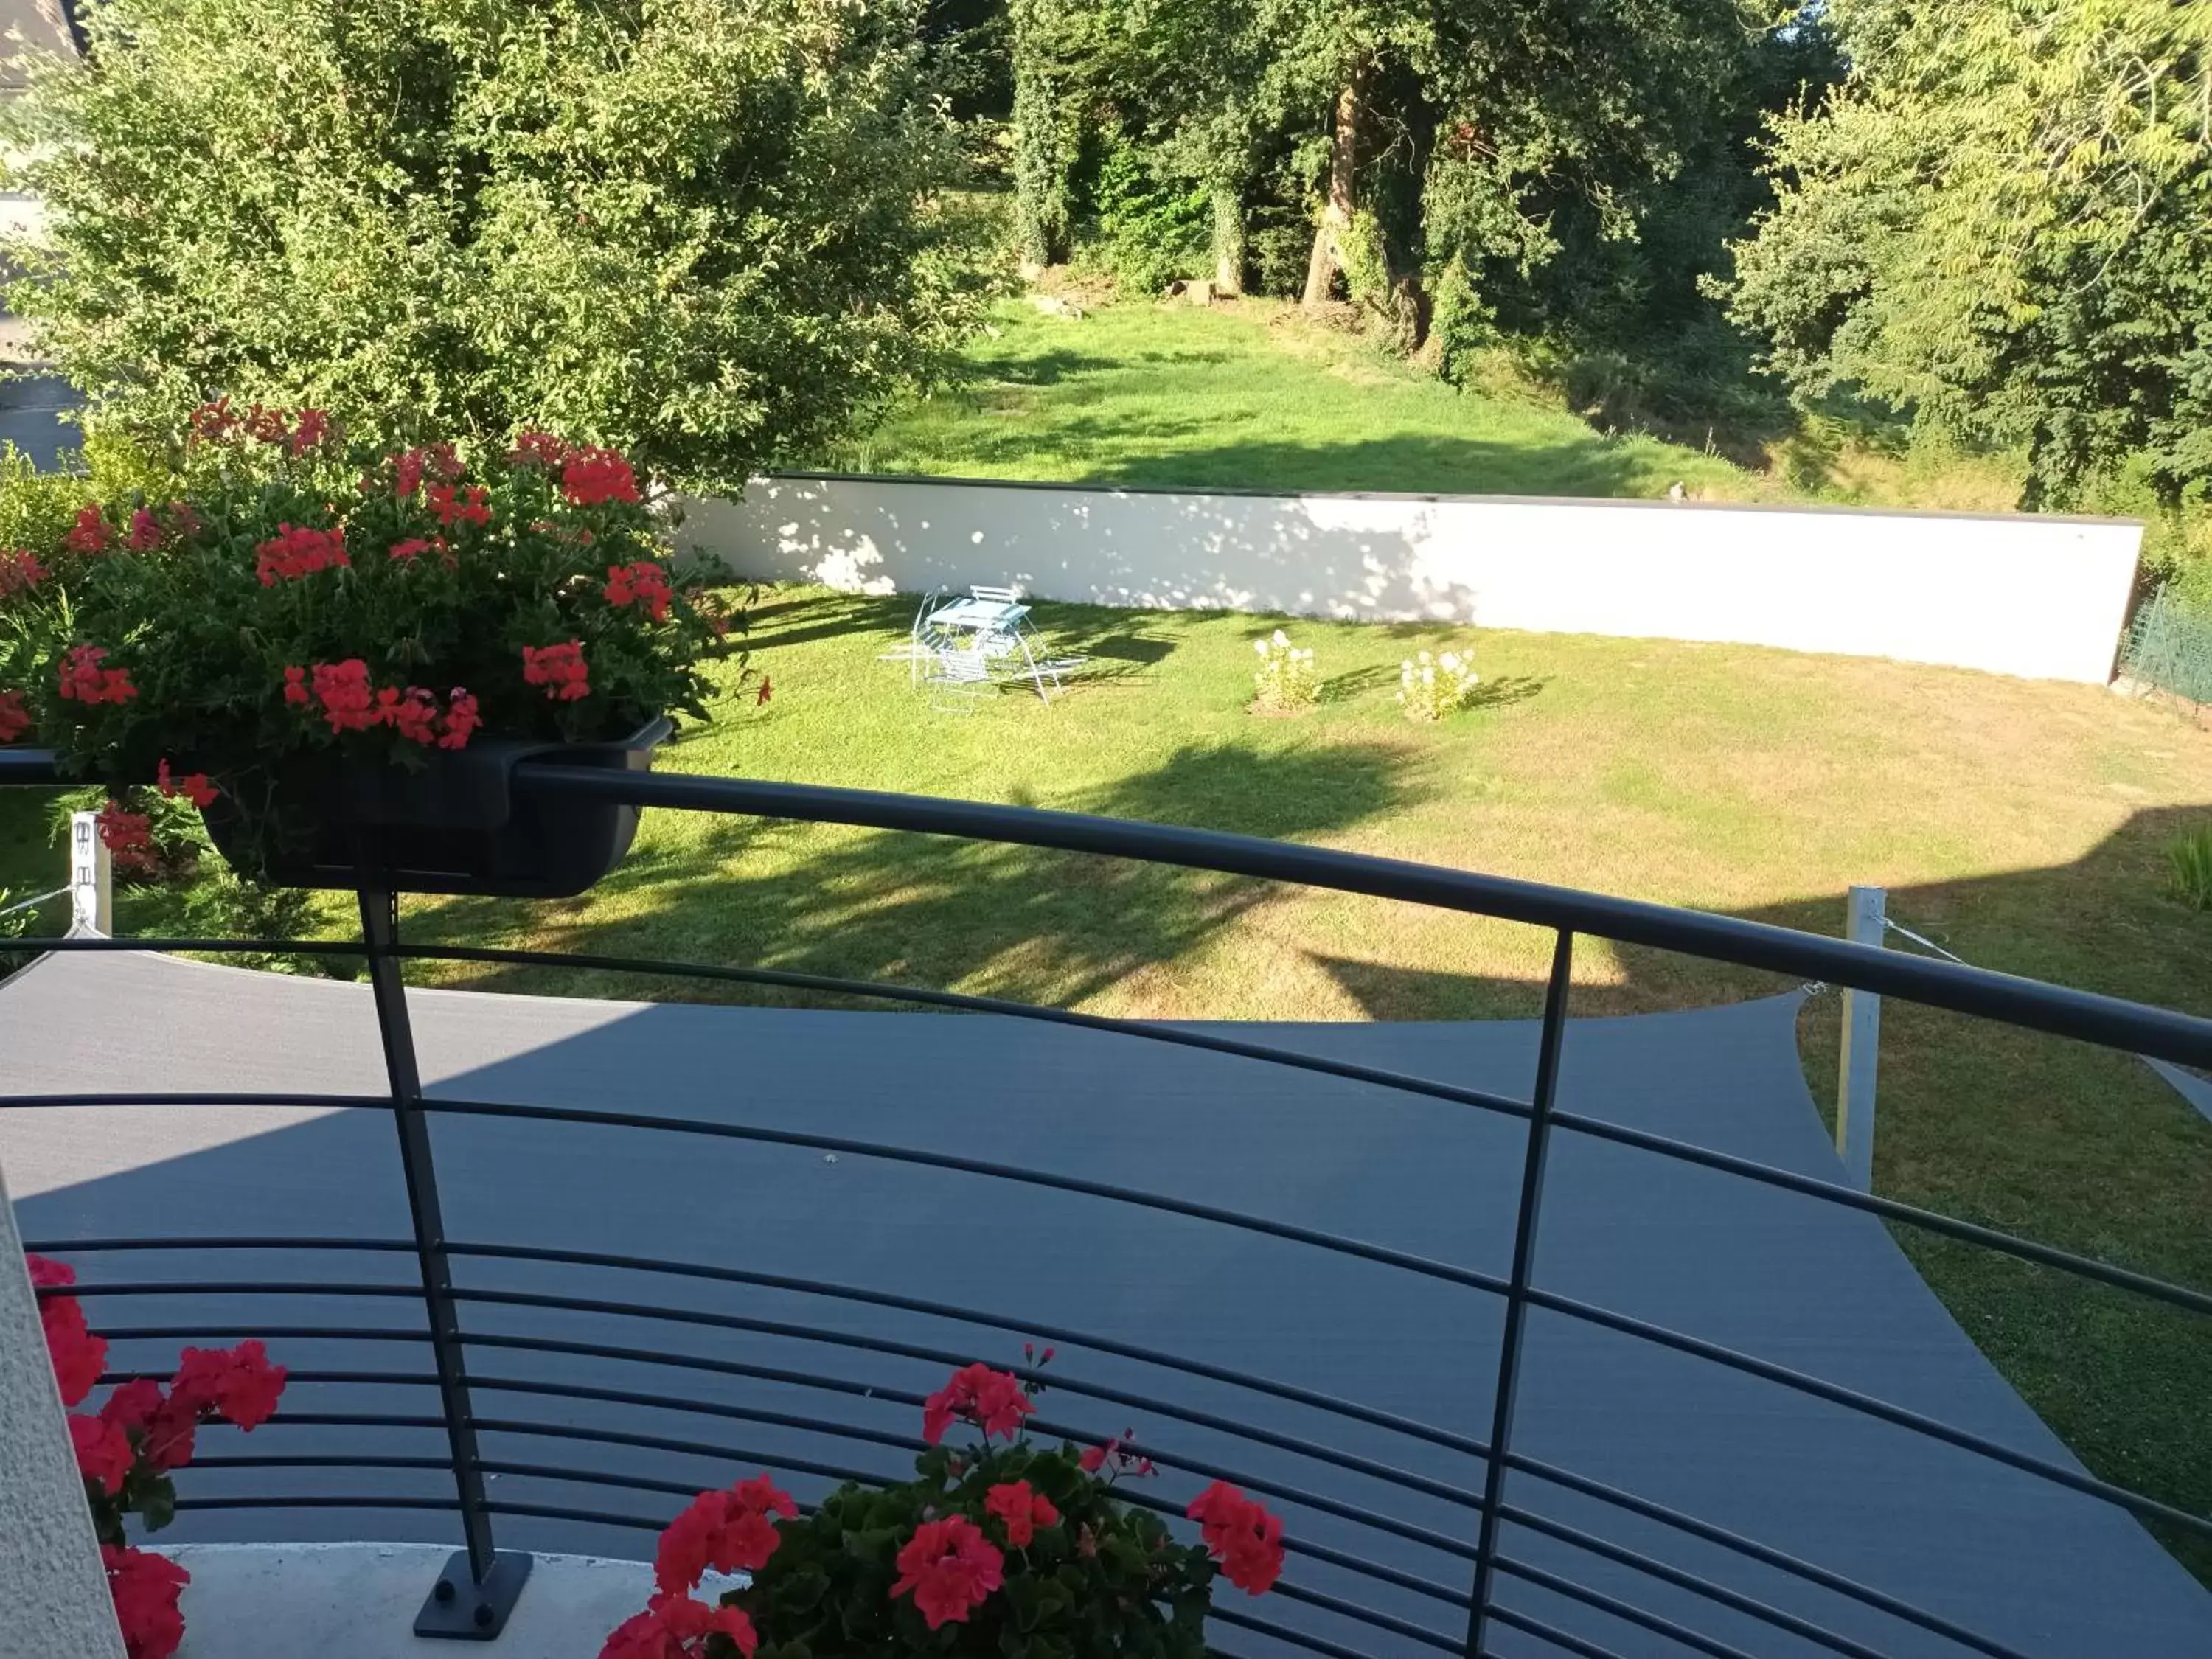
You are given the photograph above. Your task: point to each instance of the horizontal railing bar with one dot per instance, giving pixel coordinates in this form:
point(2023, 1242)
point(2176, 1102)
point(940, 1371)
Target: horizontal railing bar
point(314, 1460)
point(1621, 1555)
point(1057, 1334)
point(226, 1287)
point(288, 1419)
point(294, 1374)
point(1867, 1405)
point(187, 1097)
point(1056, 1380)
point(909, 1397)
point(2027, 1249)
point(849, 1146)
point(904, 1442)
point(686, 1448)
point(318, 1501)
point(1148, 1030)
point(1369, 1616)
point(310, 1332)
point(561, 1513)
point(685, 1490)
point(1543, 1632)
point(1268, 1627)
point(212, 947)
point(1763, 1554)
point(2063, 1011)
point(1625, 1610)
point(222, 1242)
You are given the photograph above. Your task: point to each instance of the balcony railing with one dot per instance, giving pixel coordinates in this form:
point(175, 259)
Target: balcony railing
point(1463, 1614)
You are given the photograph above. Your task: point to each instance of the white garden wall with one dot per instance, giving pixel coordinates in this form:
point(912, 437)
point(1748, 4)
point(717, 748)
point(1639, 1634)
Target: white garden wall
point(2039, 596)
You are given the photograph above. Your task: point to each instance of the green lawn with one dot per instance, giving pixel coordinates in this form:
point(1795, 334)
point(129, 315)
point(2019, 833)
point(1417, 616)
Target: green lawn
point(1256, 395)
point(1252, 396)
point(2022, 824)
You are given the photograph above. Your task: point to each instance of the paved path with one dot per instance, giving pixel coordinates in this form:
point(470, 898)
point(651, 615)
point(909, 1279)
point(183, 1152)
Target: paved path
point(2055, 1575)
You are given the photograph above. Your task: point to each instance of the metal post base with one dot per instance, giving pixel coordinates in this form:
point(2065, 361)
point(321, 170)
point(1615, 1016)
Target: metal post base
point(461, 1610)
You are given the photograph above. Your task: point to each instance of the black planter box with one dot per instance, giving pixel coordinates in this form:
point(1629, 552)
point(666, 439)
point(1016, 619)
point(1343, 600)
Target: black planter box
point(455, 825)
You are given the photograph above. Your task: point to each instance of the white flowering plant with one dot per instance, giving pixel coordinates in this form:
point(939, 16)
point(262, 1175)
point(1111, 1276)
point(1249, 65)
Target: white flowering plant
point(1430, 687)
point(1286, 680)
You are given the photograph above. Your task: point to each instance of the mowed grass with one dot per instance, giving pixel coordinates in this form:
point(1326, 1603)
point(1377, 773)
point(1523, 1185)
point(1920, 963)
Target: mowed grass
point(2023, 825)
point(1253, 396)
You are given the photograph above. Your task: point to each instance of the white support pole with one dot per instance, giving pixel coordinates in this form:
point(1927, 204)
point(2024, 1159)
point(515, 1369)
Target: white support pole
point(92, 878)
point(54, 1591)
point(1862, 1045)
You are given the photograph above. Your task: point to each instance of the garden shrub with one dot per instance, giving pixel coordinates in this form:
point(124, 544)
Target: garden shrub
point(1149, 231)
point(707, 235)
point(2190, 860)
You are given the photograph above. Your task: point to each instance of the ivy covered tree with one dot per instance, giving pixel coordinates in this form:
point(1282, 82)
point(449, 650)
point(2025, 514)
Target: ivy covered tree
point(1999, 226)
point(709, 235)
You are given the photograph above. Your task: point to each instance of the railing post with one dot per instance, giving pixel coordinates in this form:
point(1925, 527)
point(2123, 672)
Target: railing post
point(478, 1588)
point(1861, 1048)
point(1517, 1293)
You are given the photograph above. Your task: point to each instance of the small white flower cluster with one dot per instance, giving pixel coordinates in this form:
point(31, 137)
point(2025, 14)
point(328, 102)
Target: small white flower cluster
point(1287, 678)
point(1430, 688)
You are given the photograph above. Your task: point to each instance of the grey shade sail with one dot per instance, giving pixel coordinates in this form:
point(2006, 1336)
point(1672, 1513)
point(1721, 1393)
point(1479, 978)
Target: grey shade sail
point(2050, 1572)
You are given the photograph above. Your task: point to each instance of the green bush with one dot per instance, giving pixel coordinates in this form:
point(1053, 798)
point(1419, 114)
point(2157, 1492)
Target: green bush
point(2191, 859)
point(1149, 232)
point(707, 235)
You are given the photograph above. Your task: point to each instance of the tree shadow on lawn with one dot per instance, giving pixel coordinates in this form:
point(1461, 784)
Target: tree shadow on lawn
point(816, 615)
point(1033, 924)
point(1409, 464)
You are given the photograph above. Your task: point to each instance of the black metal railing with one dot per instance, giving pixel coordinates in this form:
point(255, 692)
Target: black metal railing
point(470, 1364)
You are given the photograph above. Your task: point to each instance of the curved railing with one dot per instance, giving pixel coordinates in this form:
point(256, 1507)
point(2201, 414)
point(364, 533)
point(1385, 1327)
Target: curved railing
point(1457, 1508)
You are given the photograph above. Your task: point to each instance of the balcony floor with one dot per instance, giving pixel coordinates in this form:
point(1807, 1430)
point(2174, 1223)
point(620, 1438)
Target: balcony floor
point(1775, 1274)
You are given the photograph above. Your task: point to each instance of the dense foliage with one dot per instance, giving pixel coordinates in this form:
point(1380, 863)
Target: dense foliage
point(2001, 226)
point(303, 595)
point(709, 235)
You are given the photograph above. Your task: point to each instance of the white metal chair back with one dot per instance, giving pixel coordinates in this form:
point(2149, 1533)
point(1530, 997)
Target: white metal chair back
point(997, 595)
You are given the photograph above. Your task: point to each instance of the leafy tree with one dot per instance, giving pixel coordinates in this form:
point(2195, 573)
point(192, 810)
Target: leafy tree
point(1999, 227)
point(709, 233)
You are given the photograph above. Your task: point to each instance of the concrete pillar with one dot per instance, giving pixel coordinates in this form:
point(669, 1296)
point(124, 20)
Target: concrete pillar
point(54, 1591)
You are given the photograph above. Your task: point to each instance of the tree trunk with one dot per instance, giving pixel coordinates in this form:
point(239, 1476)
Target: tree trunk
point(1228, 241)
point(1040, 167)
point(1336, 217)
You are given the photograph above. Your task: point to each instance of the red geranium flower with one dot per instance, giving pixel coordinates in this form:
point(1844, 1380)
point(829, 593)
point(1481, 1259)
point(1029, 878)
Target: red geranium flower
point(644, 583)
point(1022, 1510)
point(103, 1452)
point(309, 431)
point(292, 553)
point(146, 1587)
point(83, 680)
point(78, 1354)
point(14, 718)
point(993, 1400)
point(559, 668)
point(295, 685)
point(145, 531)
point(438, 460)
point(163, 1424)
point(266, 424)
point(184, 523)
point(592, 476)
point(414, 546)
point(729, 1531)
point(127, 836)
point(535, 448)
point(19, 572)
point(472, 508)
point(193, 786)
point(213, 420)
point(461, 719)
point(90, 534)
point(239, 1384)
point(676, 1628)
point(343, 690)
point(1242, 1536)
point(950, 1568)
point(412, 714)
